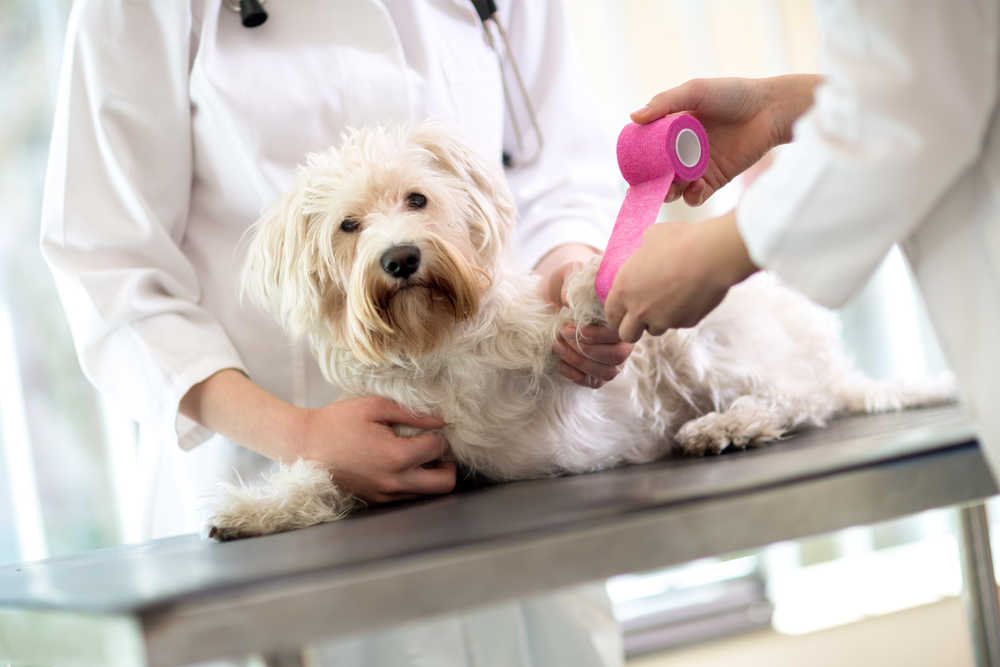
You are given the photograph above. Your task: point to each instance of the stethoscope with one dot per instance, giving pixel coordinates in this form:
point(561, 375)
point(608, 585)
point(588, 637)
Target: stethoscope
point(253, 14)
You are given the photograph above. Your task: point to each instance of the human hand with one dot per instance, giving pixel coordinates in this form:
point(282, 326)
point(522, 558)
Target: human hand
point(595, 356)
point(592, 355)
point(354, 439)
point(681, 272)
point(744, 119)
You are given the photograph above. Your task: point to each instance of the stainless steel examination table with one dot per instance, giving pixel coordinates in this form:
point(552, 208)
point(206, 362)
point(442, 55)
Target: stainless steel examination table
point(183, 600)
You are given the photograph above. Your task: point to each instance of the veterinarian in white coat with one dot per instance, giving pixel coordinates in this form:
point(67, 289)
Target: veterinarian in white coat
point(176, 126)
point(901, 145)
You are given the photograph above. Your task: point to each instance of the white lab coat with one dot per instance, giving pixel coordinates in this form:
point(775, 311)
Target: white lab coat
point(176, 126)
point(902, 145)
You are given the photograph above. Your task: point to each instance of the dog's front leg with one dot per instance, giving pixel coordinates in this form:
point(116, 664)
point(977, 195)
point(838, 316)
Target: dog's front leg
point(581, 297)
point(289, 497)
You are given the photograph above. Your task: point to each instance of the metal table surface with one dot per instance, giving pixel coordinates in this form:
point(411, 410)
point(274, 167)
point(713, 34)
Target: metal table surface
point(185, 599)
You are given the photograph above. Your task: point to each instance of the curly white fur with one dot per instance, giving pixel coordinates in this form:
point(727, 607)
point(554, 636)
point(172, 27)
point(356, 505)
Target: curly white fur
point(301, 494)
point(467, 336)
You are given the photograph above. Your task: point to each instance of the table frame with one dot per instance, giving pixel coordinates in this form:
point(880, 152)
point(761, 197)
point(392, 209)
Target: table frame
point(861, 470)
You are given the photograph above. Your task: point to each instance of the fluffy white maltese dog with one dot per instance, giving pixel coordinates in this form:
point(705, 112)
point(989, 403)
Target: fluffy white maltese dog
point(389, 255)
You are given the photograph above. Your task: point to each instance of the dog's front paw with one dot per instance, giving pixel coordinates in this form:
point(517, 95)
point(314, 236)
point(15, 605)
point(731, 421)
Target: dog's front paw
point(290, 497)
point(584, 306)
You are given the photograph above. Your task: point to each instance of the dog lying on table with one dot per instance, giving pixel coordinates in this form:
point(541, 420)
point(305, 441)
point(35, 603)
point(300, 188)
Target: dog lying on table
point(388, 255)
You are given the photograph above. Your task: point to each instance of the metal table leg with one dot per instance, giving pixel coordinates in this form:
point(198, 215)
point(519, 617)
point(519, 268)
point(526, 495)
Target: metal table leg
point(980, 591)
point(285, 659)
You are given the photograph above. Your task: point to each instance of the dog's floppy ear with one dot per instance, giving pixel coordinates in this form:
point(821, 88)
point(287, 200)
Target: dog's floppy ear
point(492, 214)
point(274, 275)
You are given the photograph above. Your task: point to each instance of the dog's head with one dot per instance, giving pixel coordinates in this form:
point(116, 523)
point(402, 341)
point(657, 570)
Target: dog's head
point(383, 244)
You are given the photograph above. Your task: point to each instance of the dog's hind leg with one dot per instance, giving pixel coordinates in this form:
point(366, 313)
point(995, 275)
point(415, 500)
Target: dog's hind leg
point(749, 420)
point(752, 420)
point(290, 497)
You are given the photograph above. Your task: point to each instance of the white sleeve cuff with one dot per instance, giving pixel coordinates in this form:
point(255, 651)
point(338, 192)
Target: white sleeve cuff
point(802, 244)
point(176, 428)
point(532, 245)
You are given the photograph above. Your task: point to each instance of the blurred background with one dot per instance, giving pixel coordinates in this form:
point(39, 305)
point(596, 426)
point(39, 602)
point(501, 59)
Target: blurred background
point(66, 458)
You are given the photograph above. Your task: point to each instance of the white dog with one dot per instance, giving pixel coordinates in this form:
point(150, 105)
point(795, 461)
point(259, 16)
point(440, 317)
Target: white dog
point(388, 254)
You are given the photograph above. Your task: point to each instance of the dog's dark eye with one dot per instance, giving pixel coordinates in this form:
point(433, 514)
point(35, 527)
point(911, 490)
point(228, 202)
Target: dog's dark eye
point(415, 200)
point(349, 225)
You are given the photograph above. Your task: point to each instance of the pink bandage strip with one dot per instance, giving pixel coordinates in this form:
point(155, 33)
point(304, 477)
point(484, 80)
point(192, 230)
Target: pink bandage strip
point(650, 157)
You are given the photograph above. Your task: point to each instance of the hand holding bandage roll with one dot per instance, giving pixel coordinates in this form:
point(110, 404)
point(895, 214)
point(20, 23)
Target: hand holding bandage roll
point(650, 157)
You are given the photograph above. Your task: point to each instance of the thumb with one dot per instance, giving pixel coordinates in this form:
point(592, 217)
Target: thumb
point(390, 412)
point(685, 97)
point(697, 192)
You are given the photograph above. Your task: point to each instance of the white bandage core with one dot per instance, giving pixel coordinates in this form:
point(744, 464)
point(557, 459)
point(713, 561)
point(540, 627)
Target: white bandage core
point(688, 147)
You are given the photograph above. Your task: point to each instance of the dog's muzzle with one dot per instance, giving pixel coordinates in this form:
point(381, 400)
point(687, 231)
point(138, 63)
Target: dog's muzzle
point(401, 261)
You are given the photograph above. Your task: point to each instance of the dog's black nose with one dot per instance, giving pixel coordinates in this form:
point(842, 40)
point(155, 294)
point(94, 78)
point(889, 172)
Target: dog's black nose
point(401, 261)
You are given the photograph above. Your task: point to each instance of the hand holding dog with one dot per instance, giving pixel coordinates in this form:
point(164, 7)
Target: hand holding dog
point(593, 355)
point(355, 440)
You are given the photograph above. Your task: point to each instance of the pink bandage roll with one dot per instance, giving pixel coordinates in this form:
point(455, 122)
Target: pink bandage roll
point(650, 157)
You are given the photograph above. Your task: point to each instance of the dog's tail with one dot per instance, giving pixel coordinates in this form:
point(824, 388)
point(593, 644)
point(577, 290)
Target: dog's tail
point(862, 394)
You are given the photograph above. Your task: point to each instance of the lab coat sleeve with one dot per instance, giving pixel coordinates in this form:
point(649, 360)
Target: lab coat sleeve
point(115, 207)
point(571, 193)
point(903, 111)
